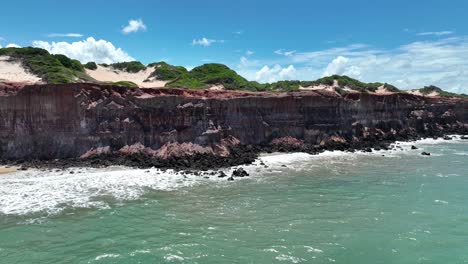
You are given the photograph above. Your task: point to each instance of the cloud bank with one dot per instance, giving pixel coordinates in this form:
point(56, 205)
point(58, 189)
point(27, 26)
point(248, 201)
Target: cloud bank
point(99, 51)
point(442, 62)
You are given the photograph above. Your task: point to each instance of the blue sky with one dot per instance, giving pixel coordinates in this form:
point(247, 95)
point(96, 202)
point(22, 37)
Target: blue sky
point(406, 43)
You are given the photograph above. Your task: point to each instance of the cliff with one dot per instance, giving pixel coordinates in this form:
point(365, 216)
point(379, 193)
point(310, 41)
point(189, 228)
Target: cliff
point(84, 120)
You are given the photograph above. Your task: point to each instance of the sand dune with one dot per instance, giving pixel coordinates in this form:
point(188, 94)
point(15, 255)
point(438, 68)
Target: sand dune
point(417, 92)
point(108, 74)
point(12, 70)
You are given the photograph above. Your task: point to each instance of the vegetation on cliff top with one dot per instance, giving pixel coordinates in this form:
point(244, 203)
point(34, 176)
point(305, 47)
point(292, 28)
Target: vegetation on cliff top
point(130, 66)
point(90, 65)
point(167, 72)
point(51, 68)
point(59, 68)
point(431, 89)
point(123, 83)
point(210, 74)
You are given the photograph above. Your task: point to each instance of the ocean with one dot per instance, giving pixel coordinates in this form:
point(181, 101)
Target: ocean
point(383, 207)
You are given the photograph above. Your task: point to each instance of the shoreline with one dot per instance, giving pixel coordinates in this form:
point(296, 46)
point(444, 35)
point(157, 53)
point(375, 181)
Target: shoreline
point(7, 169)
point(240, 156)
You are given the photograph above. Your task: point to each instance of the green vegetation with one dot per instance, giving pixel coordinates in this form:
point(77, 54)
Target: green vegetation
point(123, 83)
point(347, 82)
point(211, 74)
point(131, 66)
point(56, 69)
point(90, 65)
point(430, 89)
point(51, 68)
point(167, 72)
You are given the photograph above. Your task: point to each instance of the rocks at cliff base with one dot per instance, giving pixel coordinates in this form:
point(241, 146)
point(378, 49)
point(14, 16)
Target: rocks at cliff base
point(425, 153)
point(230, 178)
point(222, 175)
point(414, 147)
point(464, 137)
point(447, 138)
point(240, 172)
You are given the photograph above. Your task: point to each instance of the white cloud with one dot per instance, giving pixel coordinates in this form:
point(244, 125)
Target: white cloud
point(68, 35)
point(284, 53)
point(275, 73)
point(13, 45)
point(435, 33)
point(340, 65)
point(134, 26)
point(206, 42)
point(442, 62)
point(100, 51)
point(249, 53)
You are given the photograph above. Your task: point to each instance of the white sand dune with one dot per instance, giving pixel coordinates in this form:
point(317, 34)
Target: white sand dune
point(13, 71)
point(417, 92)
point(108, 74)
point(382, 90)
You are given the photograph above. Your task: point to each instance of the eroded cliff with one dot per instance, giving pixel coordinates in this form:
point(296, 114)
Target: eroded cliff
point(82, 120)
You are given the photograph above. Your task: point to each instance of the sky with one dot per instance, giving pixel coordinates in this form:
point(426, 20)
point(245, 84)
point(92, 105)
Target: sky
point(409, 44)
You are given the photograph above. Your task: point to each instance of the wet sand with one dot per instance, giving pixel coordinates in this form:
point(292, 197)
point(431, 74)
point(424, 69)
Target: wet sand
point(6, 169)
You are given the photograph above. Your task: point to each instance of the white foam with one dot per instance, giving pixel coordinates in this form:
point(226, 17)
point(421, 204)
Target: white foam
point(107, 256)
point(33, 191)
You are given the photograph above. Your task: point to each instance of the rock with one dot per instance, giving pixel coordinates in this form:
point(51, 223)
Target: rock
point(284, 166)
point(368, 150)
point(464, 137)
point(414, 147)
point(23, 168)
point(447, 138)
point(240, 172)
point(222, 175)
point(72, 172)
point(230, 178)
point(426, 154)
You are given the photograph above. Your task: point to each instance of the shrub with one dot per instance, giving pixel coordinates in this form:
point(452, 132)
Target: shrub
point(90, 66)
point(131, 66)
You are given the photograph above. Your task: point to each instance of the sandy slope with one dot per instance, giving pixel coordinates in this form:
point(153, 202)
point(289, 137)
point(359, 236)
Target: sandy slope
point(108, 74)
point(5, 170)
point(12, 70)
point(417, 92)
point(382, 90)
point(320, 87)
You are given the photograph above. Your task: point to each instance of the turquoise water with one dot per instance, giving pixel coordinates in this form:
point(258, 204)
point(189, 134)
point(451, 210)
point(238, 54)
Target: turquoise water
point(331, 208)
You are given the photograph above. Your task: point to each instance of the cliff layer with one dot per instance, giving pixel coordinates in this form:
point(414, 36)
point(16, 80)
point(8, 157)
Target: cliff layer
point(83, 120)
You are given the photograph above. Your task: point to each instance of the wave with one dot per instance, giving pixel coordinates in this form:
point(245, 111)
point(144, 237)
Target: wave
point(35, 191)
point(50, 192)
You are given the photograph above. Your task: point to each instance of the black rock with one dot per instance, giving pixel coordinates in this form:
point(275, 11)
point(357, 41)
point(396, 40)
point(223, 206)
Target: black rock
point(230, 178)
point(368, 150)
point(426, 154)
point(284, 166)
point(23, 168)
point(72, 172)
point(464, 137)
point(222, 175)
point(414, 147)
point(240, 172)
point(447, 138)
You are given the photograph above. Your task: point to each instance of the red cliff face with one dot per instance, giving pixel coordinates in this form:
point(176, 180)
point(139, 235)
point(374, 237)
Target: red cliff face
point(64, 121)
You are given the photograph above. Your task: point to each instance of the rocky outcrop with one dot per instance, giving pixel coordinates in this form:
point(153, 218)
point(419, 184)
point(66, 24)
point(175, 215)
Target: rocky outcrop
point(69, 121)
